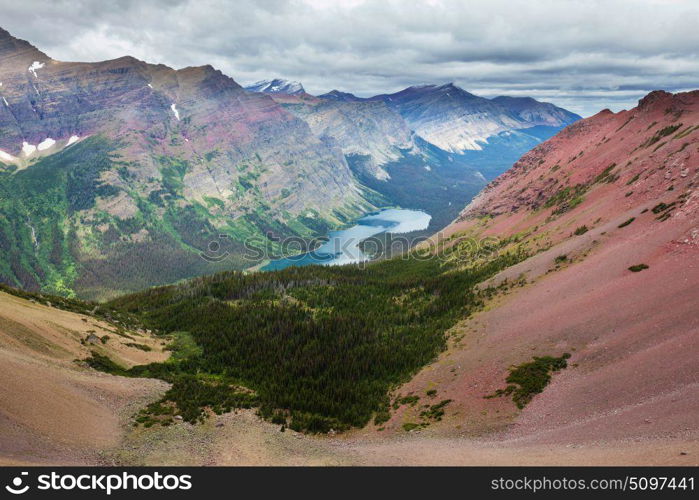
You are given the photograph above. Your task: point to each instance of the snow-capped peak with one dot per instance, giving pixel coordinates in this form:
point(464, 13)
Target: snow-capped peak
point(276, 86)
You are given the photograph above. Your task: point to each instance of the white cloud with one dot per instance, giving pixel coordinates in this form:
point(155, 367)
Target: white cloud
point(584, 54)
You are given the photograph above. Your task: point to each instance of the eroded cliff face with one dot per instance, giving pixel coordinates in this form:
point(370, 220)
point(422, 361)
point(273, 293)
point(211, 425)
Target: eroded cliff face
point(184, 155)
point(358, 127)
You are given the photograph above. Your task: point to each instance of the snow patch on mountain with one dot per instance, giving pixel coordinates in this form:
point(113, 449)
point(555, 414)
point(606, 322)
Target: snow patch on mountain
point(6, 157)
point(28, 149)
point(45, 144)
point(35, 65)
point(173, 107)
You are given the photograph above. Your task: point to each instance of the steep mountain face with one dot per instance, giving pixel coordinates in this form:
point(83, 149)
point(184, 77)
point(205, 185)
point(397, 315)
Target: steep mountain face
point(386, 155)
point(490, 134)
point(363, 128)
point(429, 147)
point(277, 86)
point(608, 213)
point(458, 121)
point(357, 126)
point(104, 161)
point(450, 117)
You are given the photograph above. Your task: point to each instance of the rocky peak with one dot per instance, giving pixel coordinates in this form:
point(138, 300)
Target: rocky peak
point(536, 112)
point(653, 98)
point(337, 95)
point(457, 121)
point(447, 89)
point(16, 53)
point(206, 79)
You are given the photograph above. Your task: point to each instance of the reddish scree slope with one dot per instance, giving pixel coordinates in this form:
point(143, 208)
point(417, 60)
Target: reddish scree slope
point(633, 336)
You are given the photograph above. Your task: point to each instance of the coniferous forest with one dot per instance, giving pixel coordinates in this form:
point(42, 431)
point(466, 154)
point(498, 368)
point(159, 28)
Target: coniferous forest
point(321, 347)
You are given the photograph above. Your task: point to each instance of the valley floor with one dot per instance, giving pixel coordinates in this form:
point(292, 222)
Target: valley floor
point(242, 439)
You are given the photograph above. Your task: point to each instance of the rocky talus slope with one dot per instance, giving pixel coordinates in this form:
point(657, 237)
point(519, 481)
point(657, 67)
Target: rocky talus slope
point(608, 212)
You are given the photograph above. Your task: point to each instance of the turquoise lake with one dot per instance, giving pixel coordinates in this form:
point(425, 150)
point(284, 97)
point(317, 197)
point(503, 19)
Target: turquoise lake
point(342, 246)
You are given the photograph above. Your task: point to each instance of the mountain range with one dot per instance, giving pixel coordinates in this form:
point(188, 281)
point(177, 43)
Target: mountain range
point(445, 116)
point(441, 138)
point(117, 175)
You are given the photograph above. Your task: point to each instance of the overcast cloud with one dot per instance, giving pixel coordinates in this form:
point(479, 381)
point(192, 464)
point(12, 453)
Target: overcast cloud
point(585, 55)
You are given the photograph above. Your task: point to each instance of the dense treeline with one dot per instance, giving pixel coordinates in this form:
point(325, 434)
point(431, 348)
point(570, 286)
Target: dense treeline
point(320, 346)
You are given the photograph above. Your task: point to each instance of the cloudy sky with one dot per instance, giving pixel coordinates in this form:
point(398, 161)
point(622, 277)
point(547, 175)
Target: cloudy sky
point(585, 55)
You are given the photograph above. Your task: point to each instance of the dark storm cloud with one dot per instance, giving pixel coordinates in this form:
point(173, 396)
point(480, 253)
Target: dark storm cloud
point(582, 54)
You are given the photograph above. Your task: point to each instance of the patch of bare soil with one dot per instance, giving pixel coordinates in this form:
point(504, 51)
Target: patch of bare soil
point(52, 410)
